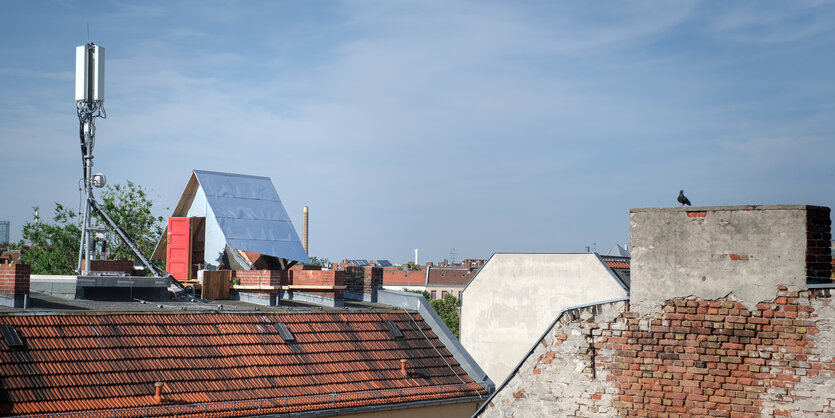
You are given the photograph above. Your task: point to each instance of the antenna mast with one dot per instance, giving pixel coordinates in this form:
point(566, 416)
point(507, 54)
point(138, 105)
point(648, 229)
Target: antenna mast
point(89, 104)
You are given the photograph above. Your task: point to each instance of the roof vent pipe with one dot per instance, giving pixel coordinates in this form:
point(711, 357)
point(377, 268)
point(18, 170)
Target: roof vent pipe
point(403, 366)
point(158, 395)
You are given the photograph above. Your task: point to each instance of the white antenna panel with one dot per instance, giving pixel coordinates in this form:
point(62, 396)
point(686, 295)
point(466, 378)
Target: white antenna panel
point(89, 73)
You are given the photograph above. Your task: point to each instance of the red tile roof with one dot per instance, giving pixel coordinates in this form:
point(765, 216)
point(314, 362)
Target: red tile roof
point(617, 263)
point(450, 276)
point(233, 364)
point(404, 278)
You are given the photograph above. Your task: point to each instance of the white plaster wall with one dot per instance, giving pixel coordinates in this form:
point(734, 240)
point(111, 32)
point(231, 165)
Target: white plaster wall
point(215, 241)
point(515, 297)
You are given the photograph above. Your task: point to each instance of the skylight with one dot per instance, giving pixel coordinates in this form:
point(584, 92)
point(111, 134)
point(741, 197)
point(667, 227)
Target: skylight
point(395, 332)
point(285, 333)
point(11, 337)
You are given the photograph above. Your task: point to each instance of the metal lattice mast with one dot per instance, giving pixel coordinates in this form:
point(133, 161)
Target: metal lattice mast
point(89, 102)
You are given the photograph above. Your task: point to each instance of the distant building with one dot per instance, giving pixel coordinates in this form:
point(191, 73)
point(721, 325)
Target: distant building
point(438, 281)
point(514, 298)
point(4, 232)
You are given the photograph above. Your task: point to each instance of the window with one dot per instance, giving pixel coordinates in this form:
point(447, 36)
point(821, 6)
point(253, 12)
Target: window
point(433, 295)
point(459, 295)
point(443, 294)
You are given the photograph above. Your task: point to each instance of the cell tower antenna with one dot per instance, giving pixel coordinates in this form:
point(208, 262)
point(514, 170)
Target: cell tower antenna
point(89, 104)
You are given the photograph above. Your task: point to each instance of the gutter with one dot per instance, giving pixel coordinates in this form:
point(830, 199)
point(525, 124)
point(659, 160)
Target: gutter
point(537, 342)
point(375, 408)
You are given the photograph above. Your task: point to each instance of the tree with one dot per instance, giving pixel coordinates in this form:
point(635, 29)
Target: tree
point(322, 262)
point(52, 248)
point(410, 266)
point(446, 308)
point(425, 294)
point(129, 206)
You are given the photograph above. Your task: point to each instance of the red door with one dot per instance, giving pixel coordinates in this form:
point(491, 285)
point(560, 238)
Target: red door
point(179, 248)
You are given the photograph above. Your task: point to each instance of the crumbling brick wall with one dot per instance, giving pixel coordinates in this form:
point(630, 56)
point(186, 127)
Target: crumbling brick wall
point(693, 356)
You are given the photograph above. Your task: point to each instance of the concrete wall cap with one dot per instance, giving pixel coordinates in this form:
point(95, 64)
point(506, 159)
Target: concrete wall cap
point(730, 208)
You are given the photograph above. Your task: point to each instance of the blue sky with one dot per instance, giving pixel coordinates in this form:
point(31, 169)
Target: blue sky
point(480, 126)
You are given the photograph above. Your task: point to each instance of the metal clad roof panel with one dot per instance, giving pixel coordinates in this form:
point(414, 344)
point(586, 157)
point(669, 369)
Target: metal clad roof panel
point(250, 214)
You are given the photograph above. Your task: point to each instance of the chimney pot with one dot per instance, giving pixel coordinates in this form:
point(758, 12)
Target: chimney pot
point(403, 366)
point(158, 394)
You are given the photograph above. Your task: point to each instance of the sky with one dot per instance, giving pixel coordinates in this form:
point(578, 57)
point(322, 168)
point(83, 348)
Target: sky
point(483, 126)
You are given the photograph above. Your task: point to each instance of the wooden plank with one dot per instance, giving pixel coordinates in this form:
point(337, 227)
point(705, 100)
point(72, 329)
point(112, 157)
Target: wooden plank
point(216, 284)
point(313, 287)
point(277, 287)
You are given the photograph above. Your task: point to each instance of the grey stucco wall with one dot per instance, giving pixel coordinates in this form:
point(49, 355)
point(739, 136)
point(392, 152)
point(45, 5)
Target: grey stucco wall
point(713, 251)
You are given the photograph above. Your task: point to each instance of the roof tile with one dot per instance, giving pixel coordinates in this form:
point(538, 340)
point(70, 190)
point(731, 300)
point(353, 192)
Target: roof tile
point(72, 363)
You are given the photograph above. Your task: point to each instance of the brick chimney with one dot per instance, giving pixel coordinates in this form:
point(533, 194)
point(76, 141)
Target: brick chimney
point(362, 283)
point(14, 285)
point(712, 251)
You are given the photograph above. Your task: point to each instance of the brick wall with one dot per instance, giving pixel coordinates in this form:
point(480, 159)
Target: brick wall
point(125, 266)
point(693, 356)
point(317, 277)
point(14, 285)
point(819, 246)
point(260, 277)
point(297, 276)
point(362, 282)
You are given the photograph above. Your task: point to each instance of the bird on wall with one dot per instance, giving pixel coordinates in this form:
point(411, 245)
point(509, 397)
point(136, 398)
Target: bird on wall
point(683, 199)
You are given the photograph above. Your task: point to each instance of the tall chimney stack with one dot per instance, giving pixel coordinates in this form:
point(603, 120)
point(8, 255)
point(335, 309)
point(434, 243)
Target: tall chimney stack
point(304, 230)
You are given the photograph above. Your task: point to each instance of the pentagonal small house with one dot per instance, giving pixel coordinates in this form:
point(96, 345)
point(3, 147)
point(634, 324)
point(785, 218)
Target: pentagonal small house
point(228, 221)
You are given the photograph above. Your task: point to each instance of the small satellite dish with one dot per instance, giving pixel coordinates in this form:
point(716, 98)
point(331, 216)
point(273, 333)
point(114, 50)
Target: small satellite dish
point(99, 180)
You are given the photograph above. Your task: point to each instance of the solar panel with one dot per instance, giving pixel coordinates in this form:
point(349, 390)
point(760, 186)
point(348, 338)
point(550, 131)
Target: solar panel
point(285, 333)
point(395, 332)
point(384, 263)
point(10, 335)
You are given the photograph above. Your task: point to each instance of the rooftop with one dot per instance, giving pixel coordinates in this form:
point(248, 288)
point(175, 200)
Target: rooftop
point(231, 359)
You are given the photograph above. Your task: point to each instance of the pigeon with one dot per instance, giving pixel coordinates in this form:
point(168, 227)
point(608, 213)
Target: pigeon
point(683, 199)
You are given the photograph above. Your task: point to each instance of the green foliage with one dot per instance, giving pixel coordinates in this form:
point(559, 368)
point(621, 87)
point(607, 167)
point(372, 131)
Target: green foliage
point(447, 309)
point(51, 248)
point(425, 294)
point(410, 266)
point(315, 261)
point(130, 207)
